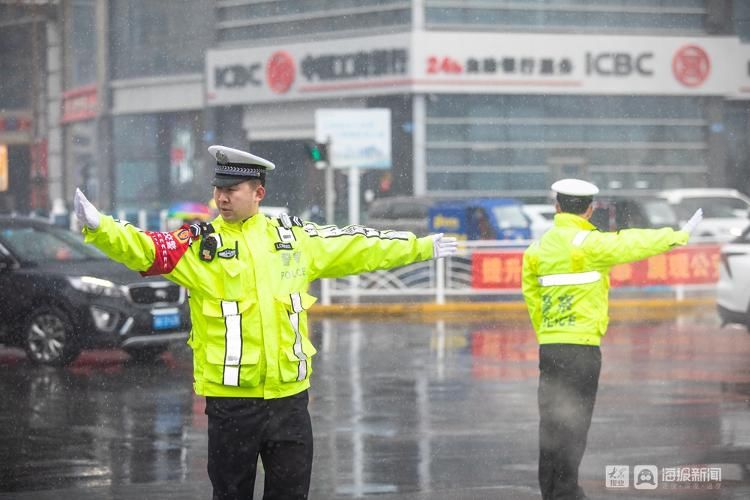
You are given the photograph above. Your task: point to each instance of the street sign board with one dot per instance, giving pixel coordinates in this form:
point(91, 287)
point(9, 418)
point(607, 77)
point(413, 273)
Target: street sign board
point(360, 138)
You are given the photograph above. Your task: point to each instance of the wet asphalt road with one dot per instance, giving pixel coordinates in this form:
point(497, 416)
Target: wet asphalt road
point(401, 410)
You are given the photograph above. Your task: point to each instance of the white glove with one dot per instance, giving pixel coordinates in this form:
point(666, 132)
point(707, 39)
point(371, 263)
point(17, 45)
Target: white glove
point(86, 213)
point(443, 246)
point(694, 221)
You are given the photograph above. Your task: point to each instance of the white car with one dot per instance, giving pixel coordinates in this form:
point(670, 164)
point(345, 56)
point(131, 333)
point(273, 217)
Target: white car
point(733, 289)
point(541, 217)
point(725, 211)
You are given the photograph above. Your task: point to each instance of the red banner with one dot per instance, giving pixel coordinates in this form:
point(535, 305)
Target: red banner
point(691, 265)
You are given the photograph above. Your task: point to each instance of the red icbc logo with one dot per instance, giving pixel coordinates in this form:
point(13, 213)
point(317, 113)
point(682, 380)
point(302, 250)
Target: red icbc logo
point(280, 72)
point(691, 65)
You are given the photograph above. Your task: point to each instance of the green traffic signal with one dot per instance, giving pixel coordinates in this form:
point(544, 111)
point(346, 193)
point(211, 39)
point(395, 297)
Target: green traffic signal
point(316, 151)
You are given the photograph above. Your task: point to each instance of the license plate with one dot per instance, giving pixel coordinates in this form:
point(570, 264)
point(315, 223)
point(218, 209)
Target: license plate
point(166, 319)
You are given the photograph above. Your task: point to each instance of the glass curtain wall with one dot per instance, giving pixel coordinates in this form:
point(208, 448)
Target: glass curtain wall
point(151, 38)
point(254, 22)
point(602, 16)
point(159, 160)
point(517, 144)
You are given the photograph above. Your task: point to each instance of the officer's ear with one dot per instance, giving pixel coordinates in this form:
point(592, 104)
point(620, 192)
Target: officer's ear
point(260, 192)
point(589, 211)
point(557, 208)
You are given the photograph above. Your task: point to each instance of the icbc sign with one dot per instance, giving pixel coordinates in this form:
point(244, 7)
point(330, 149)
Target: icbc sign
point(237, 75)
point(280, 72)
point(691, 65)
point(619, 64)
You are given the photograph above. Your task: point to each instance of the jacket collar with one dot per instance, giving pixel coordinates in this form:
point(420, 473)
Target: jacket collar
point(573, 220)
point(256, 221)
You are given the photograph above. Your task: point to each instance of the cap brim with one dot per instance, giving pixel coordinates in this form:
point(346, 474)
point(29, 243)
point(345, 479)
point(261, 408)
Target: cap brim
point(230, 180)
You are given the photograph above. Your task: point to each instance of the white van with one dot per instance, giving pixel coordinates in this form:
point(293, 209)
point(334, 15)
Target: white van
point(725, 211)
point(542, 217)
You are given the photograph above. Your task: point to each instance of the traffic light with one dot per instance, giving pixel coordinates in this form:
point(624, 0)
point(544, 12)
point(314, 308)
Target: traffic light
point(317, 151)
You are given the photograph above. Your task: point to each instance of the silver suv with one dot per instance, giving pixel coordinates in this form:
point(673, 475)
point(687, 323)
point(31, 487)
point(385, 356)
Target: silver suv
point(725, 211)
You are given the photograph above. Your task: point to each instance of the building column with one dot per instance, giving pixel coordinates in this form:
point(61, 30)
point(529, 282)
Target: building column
point(716, 142)
point(55, 176)
point(104, 197)
point(419, 144)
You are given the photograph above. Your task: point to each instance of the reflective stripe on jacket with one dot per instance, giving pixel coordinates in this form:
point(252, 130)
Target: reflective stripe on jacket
point(566, 275)
point(248, 305)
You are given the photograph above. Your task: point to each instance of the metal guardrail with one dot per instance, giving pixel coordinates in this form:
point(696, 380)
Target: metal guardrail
point(431, 279)
point(450, 278)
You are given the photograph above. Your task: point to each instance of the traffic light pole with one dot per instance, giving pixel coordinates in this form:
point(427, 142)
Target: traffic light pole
point(330, 192)
point(353, 173)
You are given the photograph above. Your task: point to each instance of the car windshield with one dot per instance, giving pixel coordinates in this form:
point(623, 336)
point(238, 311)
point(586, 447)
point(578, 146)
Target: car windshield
point(659, 213)
point(713, 207)
point(509, 216)
point(30, 244)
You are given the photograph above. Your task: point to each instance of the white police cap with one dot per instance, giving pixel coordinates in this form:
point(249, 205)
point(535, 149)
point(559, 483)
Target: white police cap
point(234, 166)
point(574, 187)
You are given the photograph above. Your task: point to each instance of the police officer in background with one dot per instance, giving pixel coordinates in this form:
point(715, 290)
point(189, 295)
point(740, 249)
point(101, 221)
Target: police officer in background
point(566, 285)
point(247, 277)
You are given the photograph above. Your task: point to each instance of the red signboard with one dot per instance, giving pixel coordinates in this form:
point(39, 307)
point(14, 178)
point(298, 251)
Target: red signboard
point(79, 104)
point(691, 265)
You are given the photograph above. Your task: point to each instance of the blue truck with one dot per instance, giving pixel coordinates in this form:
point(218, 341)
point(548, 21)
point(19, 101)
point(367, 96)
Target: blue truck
point(480, 219)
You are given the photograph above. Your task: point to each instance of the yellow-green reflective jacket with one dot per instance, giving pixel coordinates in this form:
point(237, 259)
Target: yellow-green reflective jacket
point(566, 275)
point(248, 305)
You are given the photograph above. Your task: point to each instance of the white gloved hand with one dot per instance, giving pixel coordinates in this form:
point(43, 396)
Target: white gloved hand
point(694, 221)
point(443, 246)
point(86, 213)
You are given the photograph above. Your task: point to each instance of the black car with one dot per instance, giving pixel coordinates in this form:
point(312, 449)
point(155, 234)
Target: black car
point(59, 296)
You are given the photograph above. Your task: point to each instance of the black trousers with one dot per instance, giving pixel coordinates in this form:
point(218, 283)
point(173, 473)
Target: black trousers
point(568, 381)
point(277, 430)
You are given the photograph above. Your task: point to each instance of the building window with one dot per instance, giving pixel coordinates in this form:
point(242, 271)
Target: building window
point(136, 152)
point(152, 38)
point(251, 22)
point(741, 15)
point(16, 64)
point(477, 144)
point(82, 37)
point(622, 16)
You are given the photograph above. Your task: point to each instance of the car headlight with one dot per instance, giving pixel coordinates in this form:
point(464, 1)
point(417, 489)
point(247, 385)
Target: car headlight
point(96, 286)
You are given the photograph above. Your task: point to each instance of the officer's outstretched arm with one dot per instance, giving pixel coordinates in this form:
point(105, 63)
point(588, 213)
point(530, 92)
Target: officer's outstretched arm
point(443, 246)
point(121, 242)
point(148, 252)
point(356, 249)
point(604, 250)
point(696, 219)
point(86, 212)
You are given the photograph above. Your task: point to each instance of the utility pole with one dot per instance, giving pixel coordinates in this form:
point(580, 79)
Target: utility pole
point(105, 168)
point(330, 191)
point(319, 153)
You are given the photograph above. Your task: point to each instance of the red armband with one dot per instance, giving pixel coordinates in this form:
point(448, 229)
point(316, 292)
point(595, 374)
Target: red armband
point(169, 249)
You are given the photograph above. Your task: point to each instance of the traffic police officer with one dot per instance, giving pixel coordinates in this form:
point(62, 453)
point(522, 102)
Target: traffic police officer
point(247, 277)
point(565, 284)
